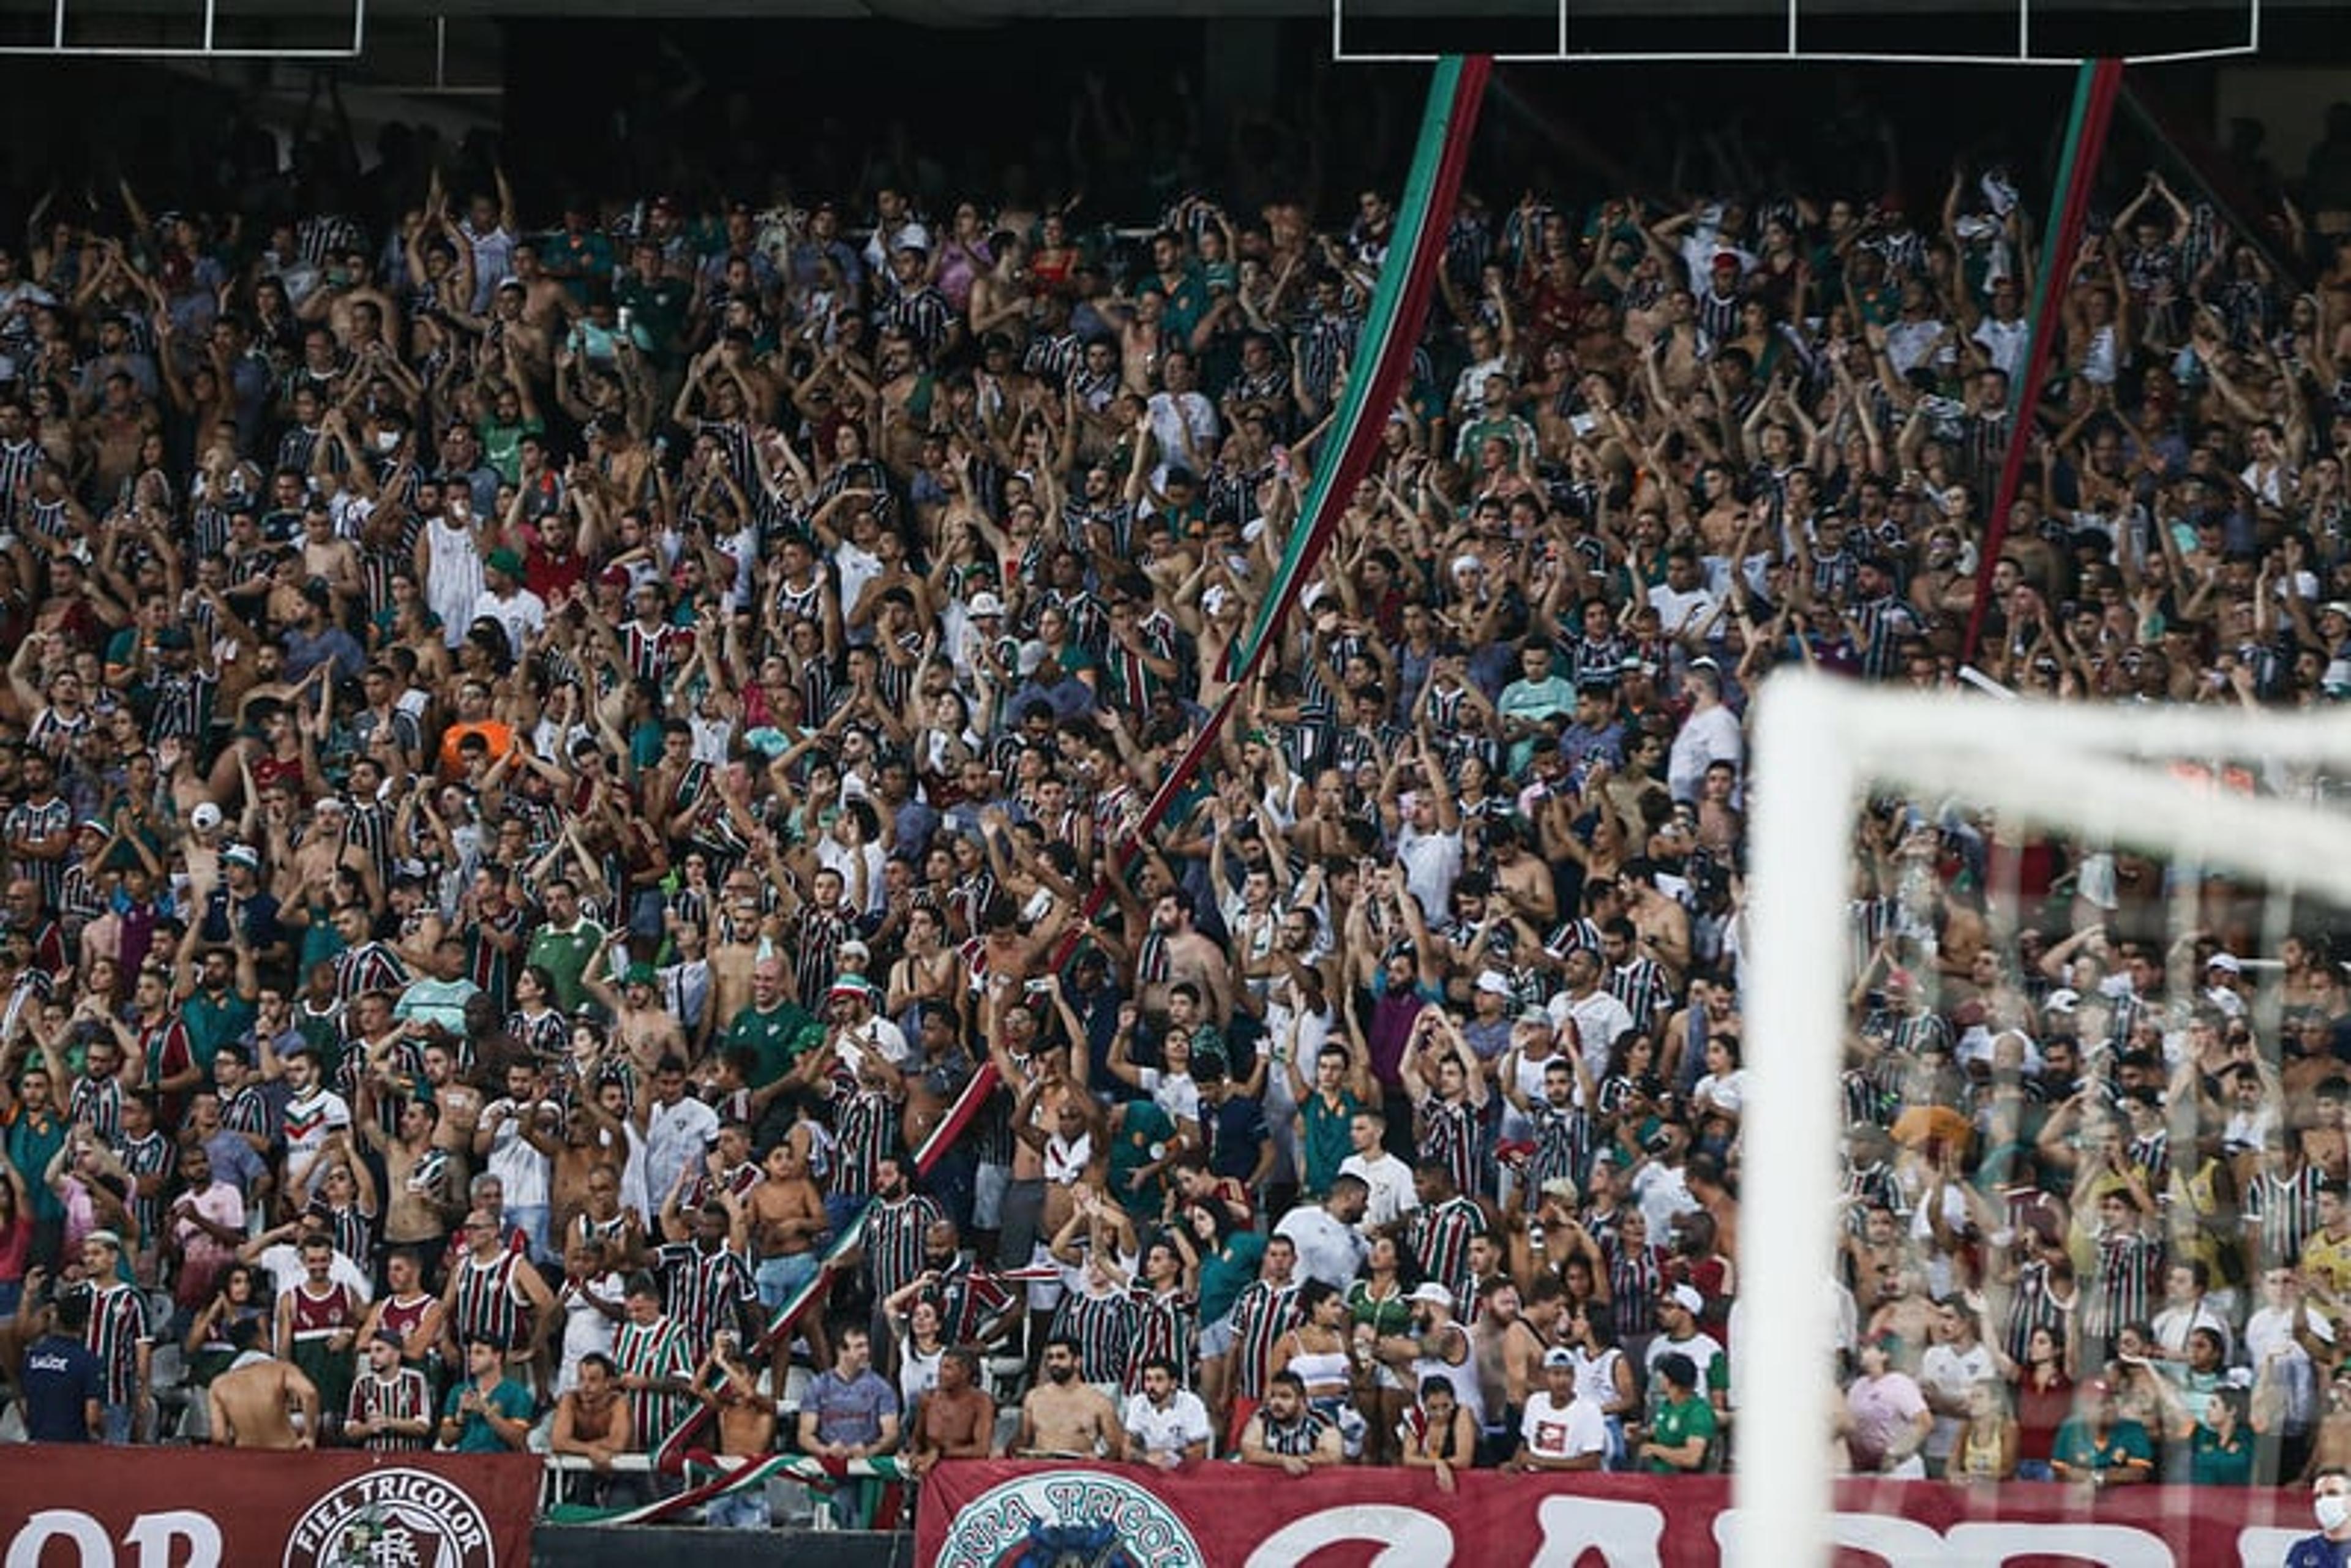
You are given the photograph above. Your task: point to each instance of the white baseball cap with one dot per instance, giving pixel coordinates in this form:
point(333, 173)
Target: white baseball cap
point(204, 817)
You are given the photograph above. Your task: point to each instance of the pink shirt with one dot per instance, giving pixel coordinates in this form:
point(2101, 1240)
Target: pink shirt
point(203, 1256)
point(1880, 1408)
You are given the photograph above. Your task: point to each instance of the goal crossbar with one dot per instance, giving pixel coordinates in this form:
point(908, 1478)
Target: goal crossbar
point(1791, 48)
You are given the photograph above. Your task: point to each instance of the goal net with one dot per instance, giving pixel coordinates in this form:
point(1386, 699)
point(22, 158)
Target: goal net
point(2069, 954)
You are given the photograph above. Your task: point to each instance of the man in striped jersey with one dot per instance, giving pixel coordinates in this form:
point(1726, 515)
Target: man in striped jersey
point(1439, 1231)
point(708, 1278)
point(391, 1407)
point(898, 1224)
point(120, 1336)
point(2280, 1201)
point(2126, 1262)
point(39, 828)
point(1287, 1435)
point(1261, 1314)
point(493, 1295)
point(657, 1365)
point(1634, 977)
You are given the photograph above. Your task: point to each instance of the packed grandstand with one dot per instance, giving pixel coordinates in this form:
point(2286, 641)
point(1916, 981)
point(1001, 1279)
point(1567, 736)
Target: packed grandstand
point(568, 752)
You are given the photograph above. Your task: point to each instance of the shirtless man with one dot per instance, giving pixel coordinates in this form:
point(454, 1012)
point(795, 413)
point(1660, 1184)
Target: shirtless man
point(461, 1111)
point(788, 1223)
point(247, 1403)
point(729, 1389)
point(642, 1022)
point(419, 1199)
point(570, 1170)
point(938, 1074)
point(747, 1417)
point(2332, 1448)
point(1062, 1418)
point(1190, 956)
point(957, 1420)
point(592, 1420)
point(733, 942)
point(1533, 1332)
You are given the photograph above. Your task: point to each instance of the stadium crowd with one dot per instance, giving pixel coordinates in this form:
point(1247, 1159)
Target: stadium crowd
point(539, 765)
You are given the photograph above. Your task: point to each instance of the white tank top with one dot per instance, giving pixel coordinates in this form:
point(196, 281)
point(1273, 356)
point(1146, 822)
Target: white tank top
point(917, 1374)
point(454, 579)
point(1467, 1390)
point(1320, 1369)
point(1595, 1377)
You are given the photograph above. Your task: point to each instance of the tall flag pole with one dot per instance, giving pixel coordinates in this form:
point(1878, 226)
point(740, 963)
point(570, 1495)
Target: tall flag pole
point(1380, 369)
point(2095, 90)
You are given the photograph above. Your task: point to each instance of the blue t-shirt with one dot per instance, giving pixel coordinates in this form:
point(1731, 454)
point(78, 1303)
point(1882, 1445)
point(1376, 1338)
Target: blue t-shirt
point(1236, 1133)
point(2318, 1552)
point(59, 1377)
point(849, 1412)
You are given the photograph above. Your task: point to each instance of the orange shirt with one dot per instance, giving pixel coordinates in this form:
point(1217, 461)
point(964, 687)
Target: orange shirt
point(500, 736)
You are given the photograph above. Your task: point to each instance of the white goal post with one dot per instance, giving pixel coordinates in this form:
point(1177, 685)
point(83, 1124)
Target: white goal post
point(2075, 769)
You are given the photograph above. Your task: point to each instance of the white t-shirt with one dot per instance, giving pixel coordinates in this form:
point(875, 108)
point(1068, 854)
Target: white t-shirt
point(674, 1134)
point(283, 1263)
point(879, 1035)
point(1390, 1180)
point(585, 1328)
point(1554, 1431)
point(1678, 612)
point(1181, 420)
point(1431, 864)
point(1184, 1421)
point(521, 614)
point(1663, 1192)
point(521, 1170)
point(1702, 1348)
point(1599, 1019)
point(1327, 1249)
point(1727, 1092)
point(1946, 1371)
point(1708, 738)
point(1173, 1092)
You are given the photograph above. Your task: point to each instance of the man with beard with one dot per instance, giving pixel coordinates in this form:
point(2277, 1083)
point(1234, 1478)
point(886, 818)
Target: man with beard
point(896, 1224)
point(1174, 950)
point(1062, 1418)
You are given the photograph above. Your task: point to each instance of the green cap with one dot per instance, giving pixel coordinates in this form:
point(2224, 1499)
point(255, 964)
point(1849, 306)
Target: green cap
point(638, 973)
point(504, 561)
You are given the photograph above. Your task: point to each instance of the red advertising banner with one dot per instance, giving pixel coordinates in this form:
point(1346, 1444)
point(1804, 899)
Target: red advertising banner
point(989, 1514)
point(67, 1507)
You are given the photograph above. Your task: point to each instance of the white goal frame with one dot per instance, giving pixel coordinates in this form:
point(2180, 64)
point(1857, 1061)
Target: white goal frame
point(61, 44)
point(1820, 744)
point(1563, 52)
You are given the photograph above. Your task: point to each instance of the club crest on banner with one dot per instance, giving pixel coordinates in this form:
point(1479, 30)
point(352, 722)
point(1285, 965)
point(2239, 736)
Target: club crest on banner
point(394, 1518)
point(1070, 1519)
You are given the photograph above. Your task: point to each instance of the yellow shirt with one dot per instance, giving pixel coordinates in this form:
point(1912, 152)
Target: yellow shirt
point(2329, 1262)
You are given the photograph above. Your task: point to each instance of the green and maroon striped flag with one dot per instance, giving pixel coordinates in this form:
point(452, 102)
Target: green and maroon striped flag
point(1382, 357)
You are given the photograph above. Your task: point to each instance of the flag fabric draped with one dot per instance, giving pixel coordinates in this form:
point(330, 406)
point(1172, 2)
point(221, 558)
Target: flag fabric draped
point(1375, 378)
